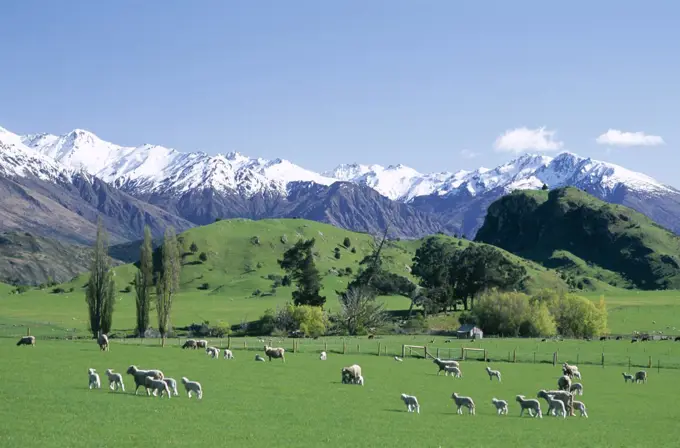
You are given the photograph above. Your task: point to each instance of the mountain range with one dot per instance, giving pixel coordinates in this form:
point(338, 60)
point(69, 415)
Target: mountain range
point(56, 185)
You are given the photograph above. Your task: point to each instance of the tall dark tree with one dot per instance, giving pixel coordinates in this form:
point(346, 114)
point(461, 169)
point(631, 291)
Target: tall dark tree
point(298, 262)
point(144, 283)
point(433, 264)
point(168, 282)
point(100, 292)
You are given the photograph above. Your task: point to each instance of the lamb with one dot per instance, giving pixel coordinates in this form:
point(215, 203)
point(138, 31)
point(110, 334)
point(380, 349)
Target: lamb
point(93, 379)
point(641, 376)
point(152, 383)
point(531, 405)
point(213, 352)
point(275, 353)
point(453, 370)
point(27, 340)
point(228, 354)
point(202, 343)
point(103, 342)
point(139, 376)
point(190, 343)
point(576, 389)
point(493, 373)
point(360, 380)
point(351, 374)
point(569, 370)
point(115, 380)
point(398, 359)
point(193, 386)
point(564, 396)
point(172, 385)
point(463, 402)
point(556, 407)
point(564, 383)
point(259, 358)
point(581, 408)
point(411, 403)
point(322, 356)
point(628, 376)
point(501, 406)
point(576, 374)
point(442, 363)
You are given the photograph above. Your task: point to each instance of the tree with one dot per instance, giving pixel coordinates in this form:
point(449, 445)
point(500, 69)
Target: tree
point(193, 248)
point(203, 257)
point(168, 281)
point(100, 292)
point(347, 242)
point(512, 314)
point(337, 253)
point(544, 187)
point(433, 264)
point(298, 262)
point(574, 316)
point(359, 311)
point(144, 283)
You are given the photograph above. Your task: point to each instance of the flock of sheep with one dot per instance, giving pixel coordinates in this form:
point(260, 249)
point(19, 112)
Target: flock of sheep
point(153, 381)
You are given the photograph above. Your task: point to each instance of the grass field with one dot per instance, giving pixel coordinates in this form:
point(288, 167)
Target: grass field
point(302, 403)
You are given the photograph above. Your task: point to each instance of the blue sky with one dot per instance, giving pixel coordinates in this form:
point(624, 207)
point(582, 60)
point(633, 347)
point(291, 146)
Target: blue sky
point(431, 84)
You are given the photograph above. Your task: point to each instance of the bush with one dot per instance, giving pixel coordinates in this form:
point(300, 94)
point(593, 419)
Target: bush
point(58, 291)
point(127, 289)
point(286, 281)
point(347, 242)
point(354, 250)
point(255, 240)
point(193, 248)
point(204, 286)
point(348, 270)
point(512, 314)
point(203, 257)
point(21, 289)
point(71, 289)
point(284, 239)
point(337, 255)
point(220, 330)
point(259, 265)
point(257, 292)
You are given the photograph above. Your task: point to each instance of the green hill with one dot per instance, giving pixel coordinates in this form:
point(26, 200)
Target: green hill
point(587, 239)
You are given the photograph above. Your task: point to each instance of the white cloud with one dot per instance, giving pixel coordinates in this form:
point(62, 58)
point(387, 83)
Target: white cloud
point(525, 139)
point(614, 137)
point(468, 154)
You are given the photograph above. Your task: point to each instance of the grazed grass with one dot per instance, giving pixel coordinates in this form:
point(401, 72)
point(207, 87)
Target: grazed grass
point(302, 403)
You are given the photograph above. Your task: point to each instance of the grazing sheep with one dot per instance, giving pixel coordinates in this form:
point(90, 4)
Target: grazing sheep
point(411, 403)
point(442, 363)
point(275, 353)
point(93, 379)
point(139, 376)
point(628, 376)
point(190, 343)
point(172, 385)
point(398, 359)
point(641, 376)
point(213, 352)
point(564, 396)
point(322, 356)
point(193, 386)
point(493, 373)
point(351, 374)
point(501, 406)
point(103, 342)
point(27, 340)
point(259, 358)
point(115, 380)
point(531, 405)
point(453, 370)
point(556, 407)
point(564, 383)
point(228, 354)
point(150, 383)
point(463, 402)
point(202, 343)
point(576, 389)
point(581, 408)
point(360, 380)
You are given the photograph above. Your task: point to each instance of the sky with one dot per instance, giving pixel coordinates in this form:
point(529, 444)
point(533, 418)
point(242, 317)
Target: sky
point(435, 85)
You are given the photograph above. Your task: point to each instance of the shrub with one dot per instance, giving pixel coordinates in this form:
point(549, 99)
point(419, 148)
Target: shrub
point(286, 281)
point(58, 291)
point(284, 239)
point(257, 292)
point(347, 242)
point(337, 255)
point(255, 240)
point(259, 265)
point(348, 270)
point(203, 257)
point(218, 219)
point(193, 248)
point(127, 289)
point(71, 289)
point(267, 323)
point(204, 286)
point(21, 289)
point(354, 250)
point(220, 330)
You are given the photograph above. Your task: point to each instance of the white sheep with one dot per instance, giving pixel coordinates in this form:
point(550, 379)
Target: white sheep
point(276, 353)
point(627, 377)
point(115, 380)
point(442, 363)
point(93, 379)
point(556, 407)
point(564, 383)
point(27, 340)
point(156, 386)
point(564, 396)
point(323, 356)
point(463, 402)
point(351, 374)
point(493, 373)
point(213, 352)
point(411, 403)
point(501, 406)
point(581, 408)
point(190, 343)
point(202, 343)
point(103, 342)
point(228, 354)
point(398, 359)
point(259, 358)
point(569, 370)
point(192, 386)
point(576, 374)
point(360, 380)
point(453, 370)
point(641, 376)
point(172, 385)
point(531, 405)
point(576, 389)
point(139, 376)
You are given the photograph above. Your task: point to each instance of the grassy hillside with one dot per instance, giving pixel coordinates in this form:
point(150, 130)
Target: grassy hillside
point(573, 231)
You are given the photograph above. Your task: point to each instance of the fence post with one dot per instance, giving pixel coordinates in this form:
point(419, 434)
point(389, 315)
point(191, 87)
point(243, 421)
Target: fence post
point(514, 355)
point(325, 345)
point(658, 366)
point(344, 347)
point(28, 331)
point(358, 348)
point(462, 353)
point(650, 363)
point(403, 351)
point(245, 345)
point(554, 359)
point(379, 348)
point(437, 352)
point(603, 360)
point(229, 342)
point(534, 357)
point(486, 358)
point(577, 356)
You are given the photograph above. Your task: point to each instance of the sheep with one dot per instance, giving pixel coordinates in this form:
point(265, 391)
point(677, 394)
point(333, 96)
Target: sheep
point(93, 379)
point(360, 380)
point(139, 376)
point(259, 358)
point(190, 343)
point(493, 373)
point(27, 340)
point(442, 363)
point(213, 352)
point(463, 402)
point(453, 370)
point(103, 342)
point(172, 385)
point(151, 383)
point(641, 376)
point(115, 380)
point(531, 405)
point(628, 376)
point(569, 370)
point(556, 407)
point(228, 354)
point(398, 359)
point(351, 374)
point(275, 353)
point(581, 408)
point(501, 406)
point(411, 403)
point(193, 386)
point(564, 383)
point(564, 396)
point(576, 374)
point(322, 356)
point(576, 389)
point(202, 343)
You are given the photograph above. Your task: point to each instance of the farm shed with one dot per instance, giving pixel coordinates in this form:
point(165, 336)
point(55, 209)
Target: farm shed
point(469, 331)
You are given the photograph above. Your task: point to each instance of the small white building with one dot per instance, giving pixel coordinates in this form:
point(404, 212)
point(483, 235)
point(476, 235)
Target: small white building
point(469, 331)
